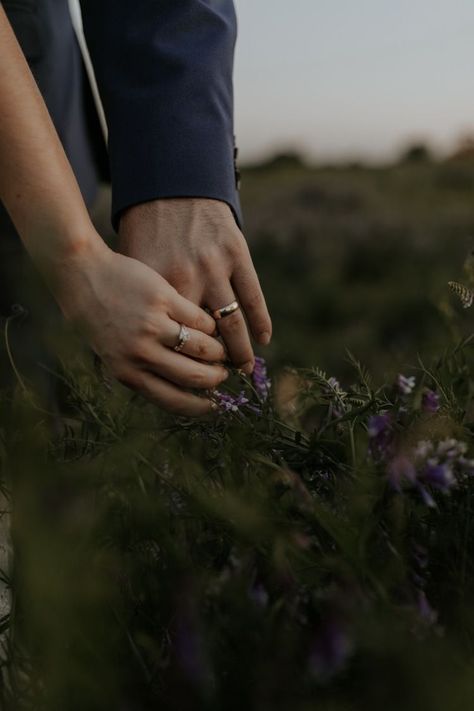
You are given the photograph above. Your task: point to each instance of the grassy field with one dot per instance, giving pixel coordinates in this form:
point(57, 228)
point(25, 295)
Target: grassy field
point(359, 258)
point(311, 547)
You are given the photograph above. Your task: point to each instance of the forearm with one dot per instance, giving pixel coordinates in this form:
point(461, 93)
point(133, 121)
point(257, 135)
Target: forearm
point(37, 184)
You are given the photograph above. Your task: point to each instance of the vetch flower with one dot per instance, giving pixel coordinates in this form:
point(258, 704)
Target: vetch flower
point(258, 594)
point(405, 385)
point(331, 649)
point(427, 614)
point(423, 449)
point(260, 379)
point(379, 424)
point(380, 431)
point(229, 403)
point(451, 448)
point(440, 476)
point(430, 401)
point(426, 496)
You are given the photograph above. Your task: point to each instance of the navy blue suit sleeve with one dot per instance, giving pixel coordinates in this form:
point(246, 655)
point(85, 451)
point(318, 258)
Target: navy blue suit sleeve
point(164, 70)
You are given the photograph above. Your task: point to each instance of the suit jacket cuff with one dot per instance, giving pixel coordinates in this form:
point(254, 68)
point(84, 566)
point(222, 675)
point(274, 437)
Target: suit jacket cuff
point(167, 156)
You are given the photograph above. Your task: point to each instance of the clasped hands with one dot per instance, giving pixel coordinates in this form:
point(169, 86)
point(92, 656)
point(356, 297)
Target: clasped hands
point(178, 259)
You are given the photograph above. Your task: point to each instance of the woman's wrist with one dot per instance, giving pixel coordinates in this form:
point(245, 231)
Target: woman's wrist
point(68, 262)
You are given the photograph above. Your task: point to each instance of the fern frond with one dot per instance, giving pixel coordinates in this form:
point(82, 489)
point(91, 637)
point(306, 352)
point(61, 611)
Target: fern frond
point(361, 370)
point(465, 295)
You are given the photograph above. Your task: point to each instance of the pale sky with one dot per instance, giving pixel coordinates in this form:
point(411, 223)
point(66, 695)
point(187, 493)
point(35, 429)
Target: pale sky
point(353, 78)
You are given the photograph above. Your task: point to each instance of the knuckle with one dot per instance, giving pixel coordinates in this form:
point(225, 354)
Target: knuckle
point(236, 245)
point(156, 301)
point(201, 350)
point(232, 323)
point(148, 329)
point(137, 351)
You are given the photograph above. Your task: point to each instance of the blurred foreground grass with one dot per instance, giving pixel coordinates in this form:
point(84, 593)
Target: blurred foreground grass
point(313, 550)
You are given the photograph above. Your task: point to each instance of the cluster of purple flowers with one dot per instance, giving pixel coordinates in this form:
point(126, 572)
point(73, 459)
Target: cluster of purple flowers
point(261, 383)
point(431, 466)
point(230, 403)
point(405, 386)
point(430, 401)
point(428, 466)
point(260, 380)
point(425, 466)
point(381, 431)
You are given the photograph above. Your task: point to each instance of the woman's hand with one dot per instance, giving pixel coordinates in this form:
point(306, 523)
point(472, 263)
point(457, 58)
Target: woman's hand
point(131, 318)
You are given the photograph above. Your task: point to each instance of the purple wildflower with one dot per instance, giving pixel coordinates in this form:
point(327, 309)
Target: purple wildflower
point(189, 647)
point(451, 449)
point(430, 401)
point(429, 467)
point(426, 496)
point(260, 380)
point(229, 403)
point(425, 611)
point(334, 384)
point(330, 649)
point(440, 476)
point(379, 424)
point(405, 385)
point(380, 434)
point(423, 449)
point(258, 594)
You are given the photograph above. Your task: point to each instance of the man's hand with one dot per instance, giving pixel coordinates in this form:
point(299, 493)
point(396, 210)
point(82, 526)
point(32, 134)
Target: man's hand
point(195, 244)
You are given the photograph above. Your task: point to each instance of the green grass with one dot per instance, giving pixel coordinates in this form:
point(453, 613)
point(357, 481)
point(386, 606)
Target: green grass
point(265, 560)
point(359, 258)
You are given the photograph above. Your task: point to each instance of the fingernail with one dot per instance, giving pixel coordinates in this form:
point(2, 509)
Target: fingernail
point(226, 375)
point(248, 367)
point(264, 338)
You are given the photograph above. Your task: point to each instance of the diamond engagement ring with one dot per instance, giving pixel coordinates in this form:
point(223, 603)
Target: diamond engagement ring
point(226, 310)
point(183, 337)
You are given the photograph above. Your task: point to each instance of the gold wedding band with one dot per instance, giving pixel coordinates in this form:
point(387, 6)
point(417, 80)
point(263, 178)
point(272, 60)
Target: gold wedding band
point(226, 310)
point(183, 337)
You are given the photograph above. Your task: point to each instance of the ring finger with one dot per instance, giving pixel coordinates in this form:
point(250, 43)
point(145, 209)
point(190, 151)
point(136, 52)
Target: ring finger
point(197, 344)
point(233, 329)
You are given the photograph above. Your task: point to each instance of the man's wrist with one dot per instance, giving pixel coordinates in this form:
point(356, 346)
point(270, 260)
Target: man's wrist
point(173, 213)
